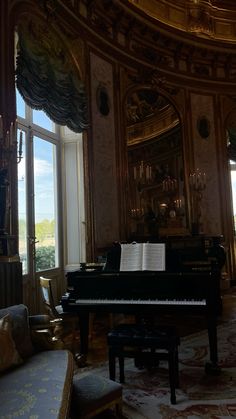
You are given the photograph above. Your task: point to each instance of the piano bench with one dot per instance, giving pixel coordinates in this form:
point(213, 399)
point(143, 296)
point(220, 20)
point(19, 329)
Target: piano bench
point(146, 344)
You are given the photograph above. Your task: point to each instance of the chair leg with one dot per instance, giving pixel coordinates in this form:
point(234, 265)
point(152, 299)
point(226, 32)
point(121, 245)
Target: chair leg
point(118, 409)
point(122, 369)
point(172, 375)
point(112, 365)
point(176, 368)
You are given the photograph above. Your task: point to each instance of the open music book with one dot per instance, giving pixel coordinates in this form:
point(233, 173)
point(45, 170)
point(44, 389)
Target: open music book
point(143, 257)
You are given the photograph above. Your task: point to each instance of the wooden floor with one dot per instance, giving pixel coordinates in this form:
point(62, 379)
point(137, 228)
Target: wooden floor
point(186, 325)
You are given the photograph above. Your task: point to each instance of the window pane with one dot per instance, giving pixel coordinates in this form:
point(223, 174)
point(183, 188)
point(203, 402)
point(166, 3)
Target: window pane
point(45, 204)
point(42, 120)
point(20, 105)
point(22, 206)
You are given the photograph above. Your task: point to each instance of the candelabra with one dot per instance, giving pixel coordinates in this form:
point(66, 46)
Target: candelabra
point(197, 183)
point(8, 145)
point(142, 174)
point(169, 184)
point(137, 213)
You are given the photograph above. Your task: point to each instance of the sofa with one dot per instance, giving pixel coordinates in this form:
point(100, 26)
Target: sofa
point(33, 384)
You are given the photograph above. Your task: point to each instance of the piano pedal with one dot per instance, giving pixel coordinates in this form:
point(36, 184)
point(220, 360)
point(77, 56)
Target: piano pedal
point(212, 369)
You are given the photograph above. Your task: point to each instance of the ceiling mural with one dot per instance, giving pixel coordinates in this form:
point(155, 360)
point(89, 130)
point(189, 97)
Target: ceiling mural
point(148, 115)
point(144, 104)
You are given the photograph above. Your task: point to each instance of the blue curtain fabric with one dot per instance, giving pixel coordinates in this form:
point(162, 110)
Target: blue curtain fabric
point(47, 79)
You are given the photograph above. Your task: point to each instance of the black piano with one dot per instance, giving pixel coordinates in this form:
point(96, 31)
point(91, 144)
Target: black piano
point(195, 288)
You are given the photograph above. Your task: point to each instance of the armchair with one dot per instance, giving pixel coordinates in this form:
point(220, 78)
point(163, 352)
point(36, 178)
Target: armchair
point(42, 330)
point(65, 325)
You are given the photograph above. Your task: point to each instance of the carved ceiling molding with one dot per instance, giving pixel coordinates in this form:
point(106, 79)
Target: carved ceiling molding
point(205, 18)
point(122, 30)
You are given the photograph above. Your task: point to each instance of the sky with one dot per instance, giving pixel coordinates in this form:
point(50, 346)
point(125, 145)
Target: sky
point(43, 168)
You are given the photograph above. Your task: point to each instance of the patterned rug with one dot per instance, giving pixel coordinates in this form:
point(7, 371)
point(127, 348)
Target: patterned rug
point(146, 394)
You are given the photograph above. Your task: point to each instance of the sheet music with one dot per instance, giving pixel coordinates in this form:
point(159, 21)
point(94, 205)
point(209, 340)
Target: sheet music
point(142, 256)
point(154, 257)
point(131, 257)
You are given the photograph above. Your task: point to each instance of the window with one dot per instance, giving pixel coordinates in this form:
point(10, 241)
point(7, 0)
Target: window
point(38, 191)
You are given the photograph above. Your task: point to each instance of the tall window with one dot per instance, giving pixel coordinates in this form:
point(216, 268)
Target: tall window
point(38, 192)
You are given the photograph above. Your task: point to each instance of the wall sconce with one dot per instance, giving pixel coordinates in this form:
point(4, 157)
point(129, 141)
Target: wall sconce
point(8, 143)
point(197, 184)
point(197, 181)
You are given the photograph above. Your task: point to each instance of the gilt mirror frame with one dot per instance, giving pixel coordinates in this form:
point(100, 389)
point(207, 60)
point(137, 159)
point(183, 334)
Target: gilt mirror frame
point(168, 215)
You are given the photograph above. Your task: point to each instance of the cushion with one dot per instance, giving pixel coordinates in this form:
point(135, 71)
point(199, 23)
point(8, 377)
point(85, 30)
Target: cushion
point(40, 388)
point(20, 328)
point(91, 392)
point(143, 335)
point(9, 357)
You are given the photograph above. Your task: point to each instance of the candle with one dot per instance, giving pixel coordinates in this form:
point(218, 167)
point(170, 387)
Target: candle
point(204, 179)
point(141, 169)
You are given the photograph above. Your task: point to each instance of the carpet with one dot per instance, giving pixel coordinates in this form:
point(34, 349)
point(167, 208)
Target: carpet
point(146, 394)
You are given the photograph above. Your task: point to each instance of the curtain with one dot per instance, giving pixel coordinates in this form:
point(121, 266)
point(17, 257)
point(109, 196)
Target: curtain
point(47, 80)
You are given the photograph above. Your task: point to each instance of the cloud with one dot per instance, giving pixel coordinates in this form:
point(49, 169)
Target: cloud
point(42, 168)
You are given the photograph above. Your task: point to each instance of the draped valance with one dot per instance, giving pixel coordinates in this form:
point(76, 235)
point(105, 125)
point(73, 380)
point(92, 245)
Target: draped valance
point(47, 79)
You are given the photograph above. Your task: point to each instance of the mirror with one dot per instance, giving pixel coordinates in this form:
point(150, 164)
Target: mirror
point(155, 166)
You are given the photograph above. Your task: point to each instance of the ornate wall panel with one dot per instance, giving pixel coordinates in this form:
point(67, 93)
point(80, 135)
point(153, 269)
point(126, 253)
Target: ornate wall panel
point(205, 156)
point(106, 208)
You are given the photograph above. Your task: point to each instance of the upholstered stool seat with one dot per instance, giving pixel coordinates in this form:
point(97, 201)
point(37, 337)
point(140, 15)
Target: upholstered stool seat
point(92, 394)
point(146, 343)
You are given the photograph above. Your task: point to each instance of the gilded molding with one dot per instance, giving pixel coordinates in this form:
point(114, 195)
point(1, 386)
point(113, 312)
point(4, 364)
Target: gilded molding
point(206, 18)
point(123, 30)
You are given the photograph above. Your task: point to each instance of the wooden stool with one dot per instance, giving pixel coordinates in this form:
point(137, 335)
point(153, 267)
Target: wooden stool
point(92, 394)
point(142, 342)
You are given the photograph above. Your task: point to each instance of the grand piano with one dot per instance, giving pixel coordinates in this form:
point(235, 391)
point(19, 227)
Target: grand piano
point(189, 285)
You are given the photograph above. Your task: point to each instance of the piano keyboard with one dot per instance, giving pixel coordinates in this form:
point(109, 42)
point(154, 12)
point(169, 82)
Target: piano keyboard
point(184, 302)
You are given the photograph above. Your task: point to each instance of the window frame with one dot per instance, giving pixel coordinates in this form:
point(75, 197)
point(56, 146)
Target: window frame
point(31, 129)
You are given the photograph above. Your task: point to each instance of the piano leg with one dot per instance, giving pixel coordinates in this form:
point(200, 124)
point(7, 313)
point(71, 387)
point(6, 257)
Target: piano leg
point(212, 367)
point(84, 333)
